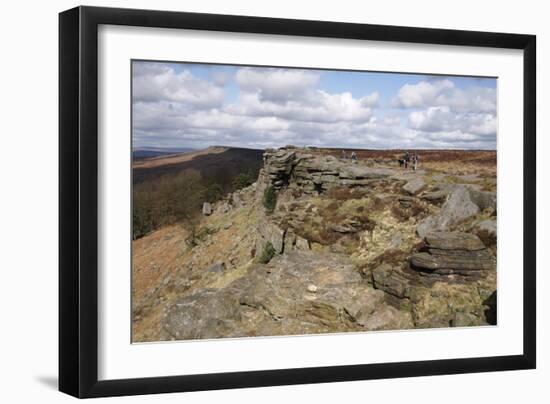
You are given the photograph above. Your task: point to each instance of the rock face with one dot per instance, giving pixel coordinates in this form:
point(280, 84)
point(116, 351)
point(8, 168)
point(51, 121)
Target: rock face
point(270, 232)
point(391, 280)
point(453, 253)
point(296, 293)
point(459, 206)
point(314, 173)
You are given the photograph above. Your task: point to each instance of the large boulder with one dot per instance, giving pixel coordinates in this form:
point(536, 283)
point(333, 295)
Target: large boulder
point(453, 253)
point(458, 207)
point(270, 232)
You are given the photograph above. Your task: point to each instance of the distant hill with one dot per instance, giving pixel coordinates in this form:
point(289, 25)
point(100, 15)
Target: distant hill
point(218, 163)
point(150, 152)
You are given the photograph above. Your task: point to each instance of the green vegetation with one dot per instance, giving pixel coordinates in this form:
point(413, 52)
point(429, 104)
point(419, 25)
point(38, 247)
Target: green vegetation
point(270, 199)
point(267, 253)
point(214, 192)
point(178, 198)
point(243, 180)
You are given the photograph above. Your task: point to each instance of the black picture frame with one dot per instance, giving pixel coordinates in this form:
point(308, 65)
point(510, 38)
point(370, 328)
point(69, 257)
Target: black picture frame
point(78, 201)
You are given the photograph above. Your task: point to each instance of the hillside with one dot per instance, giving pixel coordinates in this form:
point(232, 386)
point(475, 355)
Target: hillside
point(150, 152)
point(214, 162)
point(344, 246)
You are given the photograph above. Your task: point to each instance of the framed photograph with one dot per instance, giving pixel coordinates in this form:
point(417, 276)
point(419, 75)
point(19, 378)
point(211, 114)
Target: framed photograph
point(251, 201)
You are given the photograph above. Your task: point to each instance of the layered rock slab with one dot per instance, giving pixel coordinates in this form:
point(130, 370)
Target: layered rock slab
point(297, 293)
point(315, 173)
point(449, 253)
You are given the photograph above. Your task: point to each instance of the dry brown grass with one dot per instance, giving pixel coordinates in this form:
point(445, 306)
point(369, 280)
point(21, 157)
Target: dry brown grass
point(342, 193)
point(477, 157)
point(164, 253)
point(403, 214)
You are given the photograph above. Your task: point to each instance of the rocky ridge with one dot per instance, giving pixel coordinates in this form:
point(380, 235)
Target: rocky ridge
point(356, 246)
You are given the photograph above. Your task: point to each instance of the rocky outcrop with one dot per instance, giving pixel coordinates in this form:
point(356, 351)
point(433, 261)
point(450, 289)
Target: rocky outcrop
point(313, 174)
point(458, 207)
point(338, 252)
point(453, 255)
point(270, 232)
point(294, 242)
point(297, 293)
point(281, 240)
point(236, 199)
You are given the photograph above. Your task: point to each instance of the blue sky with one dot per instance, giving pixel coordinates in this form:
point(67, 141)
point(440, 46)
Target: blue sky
point(198, 105)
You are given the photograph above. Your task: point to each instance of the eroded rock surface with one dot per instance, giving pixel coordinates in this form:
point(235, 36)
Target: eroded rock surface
point(278, 298)
point(453, 253)
point(458, 207)
point(314, 173)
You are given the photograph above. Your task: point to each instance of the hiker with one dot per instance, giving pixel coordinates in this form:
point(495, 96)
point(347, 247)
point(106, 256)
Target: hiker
point(415, 161)
point(353, 156)
point(406, 159)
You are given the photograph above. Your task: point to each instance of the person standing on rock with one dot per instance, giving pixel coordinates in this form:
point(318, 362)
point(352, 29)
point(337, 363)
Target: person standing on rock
point(353, 156)
point(415, 161)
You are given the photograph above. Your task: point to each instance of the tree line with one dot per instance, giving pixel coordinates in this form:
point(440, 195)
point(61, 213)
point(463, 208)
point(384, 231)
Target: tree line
point(178, 198)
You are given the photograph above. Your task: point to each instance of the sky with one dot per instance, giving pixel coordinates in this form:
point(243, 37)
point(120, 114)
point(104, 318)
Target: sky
point(200, 105)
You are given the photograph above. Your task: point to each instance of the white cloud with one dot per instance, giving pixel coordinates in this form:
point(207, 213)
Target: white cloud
point(274, 107)
point(293, 95)
point(422, 94)
point(449, 116)
point(322, 107)
point(444, 93)
point(277, 85)
point(154, 82)
point(437, 119)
